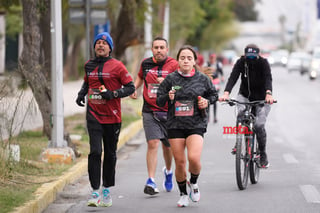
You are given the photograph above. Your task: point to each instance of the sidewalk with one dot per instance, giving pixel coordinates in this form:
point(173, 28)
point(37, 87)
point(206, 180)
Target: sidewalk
point(47, 193)
point(26, 111)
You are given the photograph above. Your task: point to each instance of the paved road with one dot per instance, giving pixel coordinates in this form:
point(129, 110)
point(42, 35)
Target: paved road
point(291, 184)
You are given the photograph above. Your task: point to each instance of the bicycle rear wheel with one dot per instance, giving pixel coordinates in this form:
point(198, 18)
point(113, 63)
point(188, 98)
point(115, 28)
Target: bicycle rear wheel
point(254, 162)
point(242, 161)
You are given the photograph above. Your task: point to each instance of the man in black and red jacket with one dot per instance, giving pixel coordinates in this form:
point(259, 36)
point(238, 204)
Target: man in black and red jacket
point(152, 72)
point(106, 80)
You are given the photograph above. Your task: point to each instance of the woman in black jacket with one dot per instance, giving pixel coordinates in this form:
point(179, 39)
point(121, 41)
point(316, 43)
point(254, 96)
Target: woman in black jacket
point(188, 93)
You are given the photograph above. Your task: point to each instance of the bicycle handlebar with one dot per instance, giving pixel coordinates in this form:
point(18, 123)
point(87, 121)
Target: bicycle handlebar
point(232, 102)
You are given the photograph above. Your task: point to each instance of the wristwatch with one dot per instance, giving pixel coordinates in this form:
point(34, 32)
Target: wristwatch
point(269, 93)
point(115, 94)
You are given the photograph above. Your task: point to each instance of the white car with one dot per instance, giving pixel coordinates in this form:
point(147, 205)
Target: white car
point(279, 57)
point(299, 61)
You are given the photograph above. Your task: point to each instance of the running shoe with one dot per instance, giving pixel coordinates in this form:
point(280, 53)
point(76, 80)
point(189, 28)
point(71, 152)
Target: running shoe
point(151, 187)
point(167, 183)
point(106, 198)
point(95, 199)
point(194, 192)
point(183, 201)
point(264, 160)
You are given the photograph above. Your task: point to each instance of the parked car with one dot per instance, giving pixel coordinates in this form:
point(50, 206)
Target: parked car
point(314, 70)
point(299, 61)
point(229, 56)
point(265, 53)
point(278, 57)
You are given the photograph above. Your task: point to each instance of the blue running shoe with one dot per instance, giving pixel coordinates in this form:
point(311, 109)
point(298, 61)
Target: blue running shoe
point(151, 187)
point(167, 183)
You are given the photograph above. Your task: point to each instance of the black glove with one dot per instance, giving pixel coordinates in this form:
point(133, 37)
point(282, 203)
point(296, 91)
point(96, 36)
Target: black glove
point(108, 95)
point(82, 93)
point(80, 100)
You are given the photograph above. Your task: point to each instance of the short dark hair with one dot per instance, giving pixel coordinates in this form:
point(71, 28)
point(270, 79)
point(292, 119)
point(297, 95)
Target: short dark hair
point(187, 47)
point(158, 38)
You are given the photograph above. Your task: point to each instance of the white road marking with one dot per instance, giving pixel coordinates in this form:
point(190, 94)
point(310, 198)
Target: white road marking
point(310, 193)
point(289, 158)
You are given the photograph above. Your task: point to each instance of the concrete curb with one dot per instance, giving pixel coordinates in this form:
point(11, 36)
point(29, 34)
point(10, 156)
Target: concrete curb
point(47, 193)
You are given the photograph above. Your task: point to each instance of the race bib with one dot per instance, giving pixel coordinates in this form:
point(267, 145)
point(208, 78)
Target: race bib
point(94, 97)
point(152, 90)
point(184, 108)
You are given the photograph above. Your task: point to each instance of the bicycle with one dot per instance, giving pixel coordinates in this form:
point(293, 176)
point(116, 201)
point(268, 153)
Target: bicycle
point(247, 156)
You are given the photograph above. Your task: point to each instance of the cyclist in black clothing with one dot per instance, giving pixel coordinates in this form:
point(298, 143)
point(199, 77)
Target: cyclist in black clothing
point(256, 84)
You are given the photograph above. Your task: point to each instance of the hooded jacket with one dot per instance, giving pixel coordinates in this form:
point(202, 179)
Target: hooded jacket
point(256, 78)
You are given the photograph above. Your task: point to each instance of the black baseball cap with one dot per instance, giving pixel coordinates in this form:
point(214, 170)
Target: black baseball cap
point(251, 51)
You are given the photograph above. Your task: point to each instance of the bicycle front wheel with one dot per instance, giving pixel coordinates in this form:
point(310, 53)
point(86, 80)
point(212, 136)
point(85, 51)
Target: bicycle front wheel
point(254, 162)
point(242, 161)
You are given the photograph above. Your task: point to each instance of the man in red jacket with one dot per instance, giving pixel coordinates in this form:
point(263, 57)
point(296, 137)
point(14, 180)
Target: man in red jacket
point(106, 80)
point(152, 72)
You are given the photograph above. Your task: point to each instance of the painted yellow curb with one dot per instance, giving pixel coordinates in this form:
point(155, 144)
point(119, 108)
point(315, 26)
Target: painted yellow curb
point(47, 193)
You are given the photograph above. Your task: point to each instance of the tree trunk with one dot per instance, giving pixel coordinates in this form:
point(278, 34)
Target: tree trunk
point(30, 62)
point(72, 59)
point(45, 22)
point(128, 34)
point(75, 55)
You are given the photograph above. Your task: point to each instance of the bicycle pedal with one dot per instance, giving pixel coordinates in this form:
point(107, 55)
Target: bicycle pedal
point(234, 150)
point(265, 166)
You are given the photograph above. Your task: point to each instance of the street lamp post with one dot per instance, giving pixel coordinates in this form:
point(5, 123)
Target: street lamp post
point(57, 139)
point(58, 151)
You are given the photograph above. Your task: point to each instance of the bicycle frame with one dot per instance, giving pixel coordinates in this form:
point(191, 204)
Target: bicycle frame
point(247, 158)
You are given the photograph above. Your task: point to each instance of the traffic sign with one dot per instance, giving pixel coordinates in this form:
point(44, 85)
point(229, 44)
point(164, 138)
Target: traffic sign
point(76, 3)
point(93, 3)
point(78, 16)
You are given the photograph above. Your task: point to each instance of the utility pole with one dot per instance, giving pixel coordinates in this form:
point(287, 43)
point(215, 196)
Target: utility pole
point(148, 29)
point(57, 139)
point(2, 42)
point(58, 151)
point(88, 27)
point(166, 21)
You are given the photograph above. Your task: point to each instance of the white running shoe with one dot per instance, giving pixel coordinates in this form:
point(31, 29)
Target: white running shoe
point(95, 199)
point(194, 192)
point(106, 200)
point(183, 201)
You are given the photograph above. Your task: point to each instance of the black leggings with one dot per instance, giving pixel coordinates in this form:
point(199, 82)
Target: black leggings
point(109, 134)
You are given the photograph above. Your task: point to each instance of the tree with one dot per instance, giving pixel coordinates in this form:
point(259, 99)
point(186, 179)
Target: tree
point(217, 26)
point(72, 35)
point(34, 60)
point(244, 10)
point(126, 27)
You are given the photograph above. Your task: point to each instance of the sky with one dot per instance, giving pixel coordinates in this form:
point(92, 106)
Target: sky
point(296, 12)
